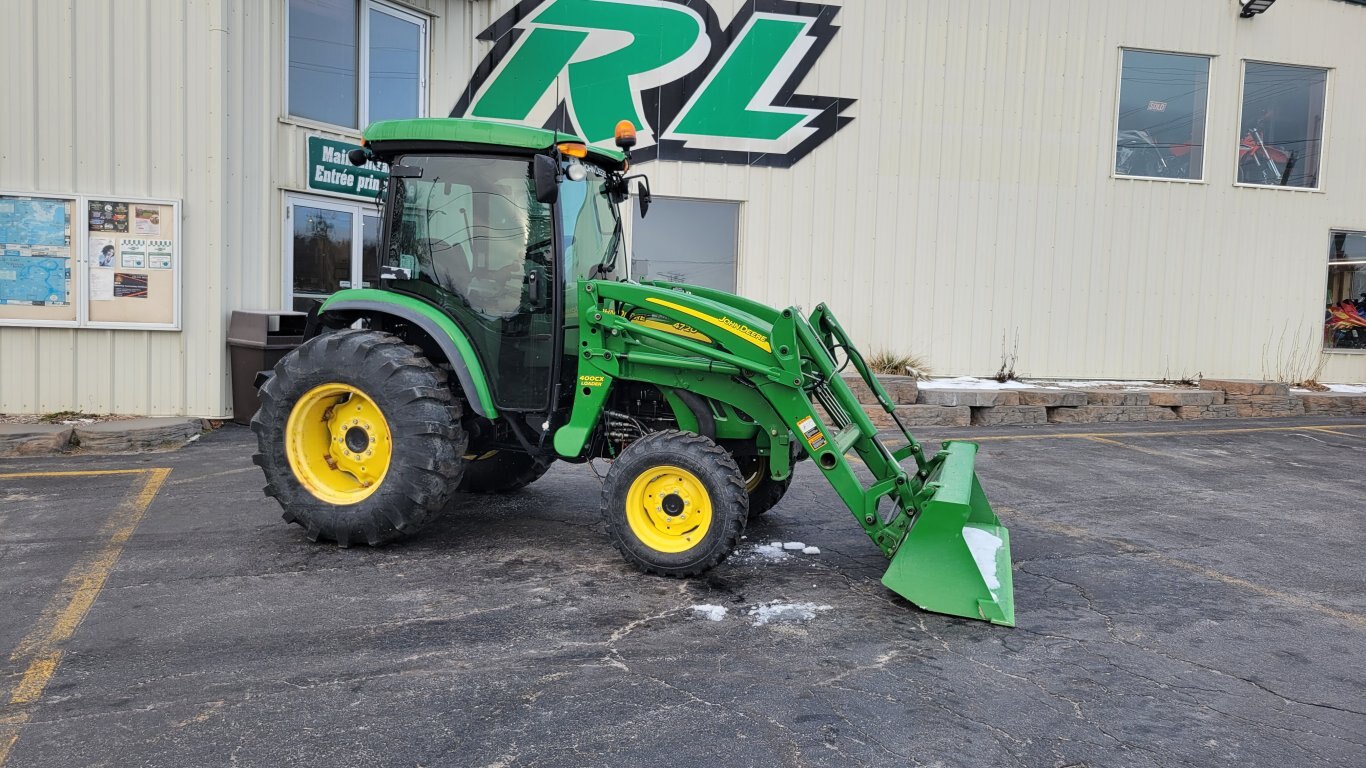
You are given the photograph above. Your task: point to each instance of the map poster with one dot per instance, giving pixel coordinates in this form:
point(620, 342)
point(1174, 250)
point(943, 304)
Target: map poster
point(133, 253)
point(130, 286)
point(108, 216)
point(40, 280)
point(31, 221)
point(147, 219)
point(159, 254)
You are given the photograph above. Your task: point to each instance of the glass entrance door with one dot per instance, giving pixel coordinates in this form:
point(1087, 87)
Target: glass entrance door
point(329, 245)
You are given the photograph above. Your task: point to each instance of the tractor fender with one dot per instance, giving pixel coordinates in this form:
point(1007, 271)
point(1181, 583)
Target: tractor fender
point(443, 332)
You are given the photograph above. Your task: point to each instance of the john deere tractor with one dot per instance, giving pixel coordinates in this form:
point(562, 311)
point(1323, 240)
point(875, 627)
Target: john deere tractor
point(507, 334)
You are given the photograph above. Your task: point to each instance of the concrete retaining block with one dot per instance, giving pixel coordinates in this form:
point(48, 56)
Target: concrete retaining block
point(33, 439)
point(1176, 398)
point(1095, 414)
point(976, 398)
point(1265, 406)
point(1333, 403)
point(903, 390)
point(1117, 397)
point(1009, 415)
point(1245, 387)
point(924, 416)
point(136, 434)
point(1193, 412)
point(1052, 398)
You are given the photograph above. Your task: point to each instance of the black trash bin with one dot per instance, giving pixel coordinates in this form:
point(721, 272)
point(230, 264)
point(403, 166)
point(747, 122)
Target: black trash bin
point(256, 342)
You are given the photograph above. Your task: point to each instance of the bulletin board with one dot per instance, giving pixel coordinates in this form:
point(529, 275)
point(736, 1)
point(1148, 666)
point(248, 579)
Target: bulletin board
point(120, 258)
point(39, 269)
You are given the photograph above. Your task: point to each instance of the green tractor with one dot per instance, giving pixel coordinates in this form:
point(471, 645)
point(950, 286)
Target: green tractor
point(507, 334)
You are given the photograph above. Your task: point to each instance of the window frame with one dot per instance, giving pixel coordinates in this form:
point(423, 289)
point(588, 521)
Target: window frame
point(363, 64)
point(1328, 275)
point(1119, 92)
point(1323, 138)
point(359, 210)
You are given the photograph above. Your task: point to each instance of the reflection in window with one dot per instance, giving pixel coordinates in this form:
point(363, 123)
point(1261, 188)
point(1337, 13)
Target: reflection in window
point(395, 66)
point(331, 82)
point(322, 250)
point(1282, 131)
point(323, 60)
point(687, 241)
point(1162, 101)
point(1345, 315)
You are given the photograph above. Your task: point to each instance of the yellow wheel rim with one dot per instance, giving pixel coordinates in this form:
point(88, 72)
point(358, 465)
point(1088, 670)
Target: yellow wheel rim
point(668, 509)
point(338, 443)
point(755, 475)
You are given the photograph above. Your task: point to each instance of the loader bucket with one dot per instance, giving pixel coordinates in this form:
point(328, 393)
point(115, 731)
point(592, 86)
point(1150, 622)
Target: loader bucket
point(956, 557)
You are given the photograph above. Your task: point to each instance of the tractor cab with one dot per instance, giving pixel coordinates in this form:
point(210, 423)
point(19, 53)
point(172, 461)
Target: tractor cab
point(495, 225)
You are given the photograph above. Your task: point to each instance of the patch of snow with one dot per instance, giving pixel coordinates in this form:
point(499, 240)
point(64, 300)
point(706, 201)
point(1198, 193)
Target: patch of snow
point(711, 612)
point(811, 551)
point(1104, 383)
point(768, 612)
point(793, 546)
point(74, 422)
point(769, 553)
point(984, 547)
point(970, 382)
point(1348, 389)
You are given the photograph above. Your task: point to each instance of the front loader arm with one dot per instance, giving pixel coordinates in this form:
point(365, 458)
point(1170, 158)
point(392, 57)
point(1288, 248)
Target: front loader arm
point(779, 369)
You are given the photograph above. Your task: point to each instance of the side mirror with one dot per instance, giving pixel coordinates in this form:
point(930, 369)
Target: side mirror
point(643, 194)
point(546, 172)
point(359, 156)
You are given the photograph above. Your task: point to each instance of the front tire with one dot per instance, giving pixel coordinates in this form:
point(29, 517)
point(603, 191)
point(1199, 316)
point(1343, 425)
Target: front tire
point(359, 438)
point(674, 504)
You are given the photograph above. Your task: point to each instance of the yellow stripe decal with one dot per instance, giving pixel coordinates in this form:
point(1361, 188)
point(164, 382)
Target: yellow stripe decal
point(671, 328)
point(743, 331)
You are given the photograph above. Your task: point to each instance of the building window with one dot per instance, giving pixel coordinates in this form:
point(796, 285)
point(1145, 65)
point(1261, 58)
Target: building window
point(335, 79)
point(687, 241)
point(329, 245)
point(1345, 315)
point(1282, 134)
point(1162, 103)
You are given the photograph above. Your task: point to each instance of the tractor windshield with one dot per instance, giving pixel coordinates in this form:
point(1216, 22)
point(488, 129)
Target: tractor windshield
point(590, 227)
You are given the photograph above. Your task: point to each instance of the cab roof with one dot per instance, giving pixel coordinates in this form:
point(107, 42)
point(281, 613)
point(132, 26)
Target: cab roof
point(459, 130)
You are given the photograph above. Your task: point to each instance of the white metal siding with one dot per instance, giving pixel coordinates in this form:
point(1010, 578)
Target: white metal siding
point(970, 199)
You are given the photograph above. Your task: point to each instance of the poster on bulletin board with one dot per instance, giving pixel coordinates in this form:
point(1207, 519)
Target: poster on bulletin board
point(89, 261)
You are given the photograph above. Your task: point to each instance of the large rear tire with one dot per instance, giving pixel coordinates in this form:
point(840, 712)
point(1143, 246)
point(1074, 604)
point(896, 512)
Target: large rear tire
point(500, 472)
point(674, 504)
point(359, 438)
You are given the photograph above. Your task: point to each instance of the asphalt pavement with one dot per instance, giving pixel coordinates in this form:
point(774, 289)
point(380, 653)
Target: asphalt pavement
point(1187, 594)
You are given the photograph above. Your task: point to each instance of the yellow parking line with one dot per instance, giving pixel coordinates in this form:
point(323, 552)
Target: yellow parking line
point(1335, 431)
point(81, 473)
point(1130, 548)
point(41, 650)
point(1149, 451)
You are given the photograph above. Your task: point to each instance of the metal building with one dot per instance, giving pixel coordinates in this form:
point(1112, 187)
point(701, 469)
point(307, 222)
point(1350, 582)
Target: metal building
point(1102, 188)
